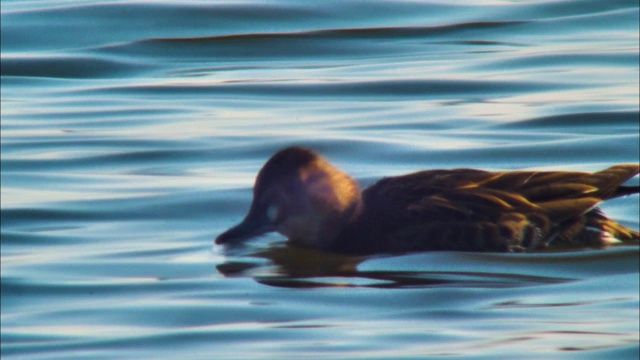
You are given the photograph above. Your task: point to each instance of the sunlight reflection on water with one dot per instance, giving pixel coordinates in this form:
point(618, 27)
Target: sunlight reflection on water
point(128, 146)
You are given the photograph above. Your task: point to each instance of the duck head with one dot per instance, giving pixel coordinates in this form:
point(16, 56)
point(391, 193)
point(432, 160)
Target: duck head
point(303, 197)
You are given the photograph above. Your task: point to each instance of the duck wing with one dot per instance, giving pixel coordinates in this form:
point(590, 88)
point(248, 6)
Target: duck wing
point(474, 210)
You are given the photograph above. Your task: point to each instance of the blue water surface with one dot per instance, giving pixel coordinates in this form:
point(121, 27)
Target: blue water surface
point(132, 132)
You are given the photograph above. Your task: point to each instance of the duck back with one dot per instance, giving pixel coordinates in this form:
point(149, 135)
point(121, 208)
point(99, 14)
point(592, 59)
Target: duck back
point(474, 210)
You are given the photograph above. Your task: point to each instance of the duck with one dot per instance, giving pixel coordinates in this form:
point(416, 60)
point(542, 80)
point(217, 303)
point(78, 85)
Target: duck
point(301, 195)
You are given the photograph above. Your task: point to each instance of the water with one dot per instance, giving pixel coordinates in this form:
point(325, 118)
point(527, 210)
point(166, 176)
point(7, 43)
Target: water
point(132, 132)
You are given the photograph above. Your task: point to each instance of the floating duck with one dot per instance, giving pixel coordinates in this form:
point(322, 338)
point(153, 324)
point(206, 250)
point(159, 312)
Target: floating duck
point(303, 197)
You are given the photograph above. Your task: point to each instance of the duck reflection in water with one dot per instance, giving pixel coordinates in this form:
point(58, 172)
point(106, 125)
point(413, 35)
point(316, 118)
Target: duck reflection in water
point(297, 267)
point(317, 206)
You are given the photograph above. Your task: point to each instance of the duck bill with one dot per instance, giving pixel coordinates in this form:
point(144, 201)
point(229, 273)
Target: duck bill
point(253, 225)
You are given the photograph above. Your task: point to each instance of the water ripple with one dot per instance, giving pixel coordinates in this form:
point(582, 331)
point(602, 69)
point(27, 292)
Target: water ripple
point(132, 132)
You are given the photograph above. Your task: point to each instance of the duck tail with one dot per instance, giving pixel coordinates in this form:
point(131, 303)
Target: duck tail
point(609, 181)
point(617, 175)
point(626, 190)
point(611, 231)
point(621, 233)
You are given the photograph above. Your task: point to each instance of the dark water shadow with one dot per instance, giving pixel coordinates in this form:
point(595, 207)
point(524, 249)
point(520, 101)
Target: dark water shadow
point(283, 265)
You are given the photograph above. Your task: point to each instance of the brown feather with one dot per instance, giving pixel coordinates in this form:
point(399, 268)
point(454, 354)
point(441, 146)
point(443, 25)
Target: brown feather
point(558, 191)
point(608, 180)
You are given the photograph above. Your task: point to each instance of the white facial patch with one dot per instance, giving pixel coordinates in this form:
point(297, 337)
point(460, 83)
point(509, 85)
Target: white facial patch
point(272, 212)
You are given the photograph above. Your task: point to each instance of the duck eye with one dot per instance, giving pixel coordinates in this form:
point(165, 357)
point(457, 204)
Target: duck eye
point(272, 213)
